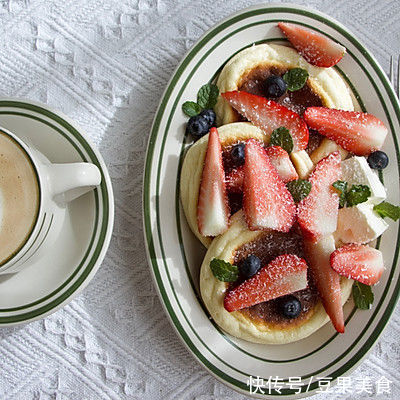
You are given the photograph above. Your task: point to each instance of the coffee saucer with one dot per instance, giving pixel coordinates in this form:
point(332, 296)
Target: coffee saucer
point(68, 267)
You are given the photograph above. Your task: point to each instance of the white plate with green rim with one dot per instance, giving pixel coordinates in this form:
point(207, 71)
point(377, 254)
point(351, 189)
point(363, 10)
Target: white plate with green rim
point(175, 255)
point(68, 267)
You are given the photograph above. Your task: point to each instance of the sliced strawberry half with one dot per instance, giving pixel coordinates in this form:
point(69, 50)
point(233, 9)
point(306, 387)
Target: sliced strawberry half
point(359, 262)
point(357, 132)
point(267, 203)
point(317, 214)
point(284, 275)
point(212, 207)
point(234, 180)
point(326, 279)
point(281, 161)
point(269, 115)
point(316, 49)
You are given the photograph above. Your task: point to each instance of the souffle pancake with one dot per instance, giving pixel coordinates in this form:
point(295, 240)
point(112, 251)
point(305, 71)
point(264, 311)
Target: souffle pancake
point(249, 69)
point(263, 322)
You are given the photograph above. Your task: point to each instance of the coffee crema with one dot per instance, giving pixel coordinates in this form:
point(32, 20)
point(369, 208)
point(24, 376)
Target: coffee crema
point(19, 197)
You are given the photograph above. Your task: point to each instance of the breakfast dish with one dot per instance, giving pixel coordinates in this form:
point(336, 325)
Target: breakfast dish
point(175, 254)
point(283, 192)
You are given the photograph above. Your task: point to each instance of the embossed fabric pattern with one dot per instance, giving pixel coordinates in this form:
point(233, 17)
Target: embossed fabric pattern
point(105, 64)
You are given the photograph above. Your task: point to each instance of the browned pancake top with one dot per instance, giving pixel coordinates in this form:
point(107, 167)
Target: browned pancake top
point(268, 246)
point(254, 82)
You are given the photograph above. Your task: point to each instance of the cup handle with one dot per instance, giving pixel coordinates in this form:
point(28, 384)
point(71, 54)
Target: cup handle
point(71, 180)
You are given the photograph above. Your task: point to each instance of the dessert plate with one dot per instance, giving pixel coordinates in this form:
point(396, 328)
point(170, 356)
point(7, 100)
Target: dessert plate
point(63, 272)
point(175, 255)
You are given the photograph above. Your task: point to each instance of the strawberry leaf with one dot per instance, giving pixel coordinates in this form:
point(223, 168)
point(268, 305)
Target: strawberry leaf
point(295, 79)
point(207, 96)
point(224, 271)
point(282, 137)
point(190, 108)
point(386, 209)
point(362, 295)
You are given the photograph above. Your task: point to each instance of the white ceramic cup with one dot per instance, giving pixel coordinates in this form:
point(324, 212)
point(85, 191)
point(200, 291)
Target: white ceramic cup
point(58, 184)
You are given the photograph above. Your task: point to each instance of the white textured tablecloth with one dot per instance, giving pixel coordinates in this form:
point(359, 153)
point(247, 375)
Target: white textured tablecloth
point(105, 64)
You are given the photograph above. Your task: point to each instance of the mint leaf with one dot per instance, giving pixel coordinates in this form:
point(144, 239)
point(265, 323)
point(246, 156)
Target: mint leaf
point(357, 194)
point(190, 108)
point(282, 137)
point(386, 209)
point(295, 79)
point(207, 96)
point(224, 271)
point(299, 189)
point(341, 187)
point(362, 295)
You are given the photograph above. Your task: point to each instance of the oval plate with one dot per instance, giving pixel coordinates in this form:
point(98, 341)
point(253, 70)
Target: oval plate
point(175, 255)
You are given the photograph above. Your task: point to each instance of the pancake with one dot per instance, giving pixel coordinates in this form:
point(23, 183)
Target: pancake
point(192, 168)
point(261, 323)
point(248, 70)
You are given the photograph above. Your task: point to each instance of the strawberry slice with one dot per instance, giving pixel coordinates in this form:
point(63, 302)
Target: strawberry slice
point(283, 275)
point(268, 115)
point(281, 161)
point(316, 49)
point(357, 132)
point(326, 279)
point(234, 180)
point(212, 207)
point(318, 212)
point(359, 262)
point(267, 203)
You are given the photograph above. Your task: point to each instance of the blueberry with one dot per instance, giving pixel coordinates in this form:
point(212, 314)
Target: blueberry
point(210, 116)
point(197, 126)
point(275, 86)
point(237, 154)
point(378, 160)
point(290, 306)
point(249, 266)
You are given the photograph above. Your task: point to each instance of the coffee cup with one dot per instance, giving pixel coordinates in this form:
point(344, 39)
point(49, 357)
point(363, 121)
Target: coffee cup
point(34, 194)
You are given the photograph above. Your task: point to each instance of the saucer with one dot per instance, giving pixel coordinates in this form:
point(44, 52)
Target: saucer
point(56, 278)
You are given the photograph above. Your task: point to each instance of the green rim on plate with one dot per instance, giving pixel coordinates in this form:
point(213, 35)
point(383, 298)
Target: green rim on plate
point(103, 217)
point(157, 264)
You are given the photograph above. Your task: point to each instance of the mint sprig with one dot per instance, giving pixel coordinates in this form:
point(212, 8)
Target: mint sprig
point(223, 270)
point(355, 195)
point(207, 97)
point(362, 295)
point(341, 187)
point(282, 137)
point(386, 209)
point(299, 189)
point(190, 108)
point(295, 79)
